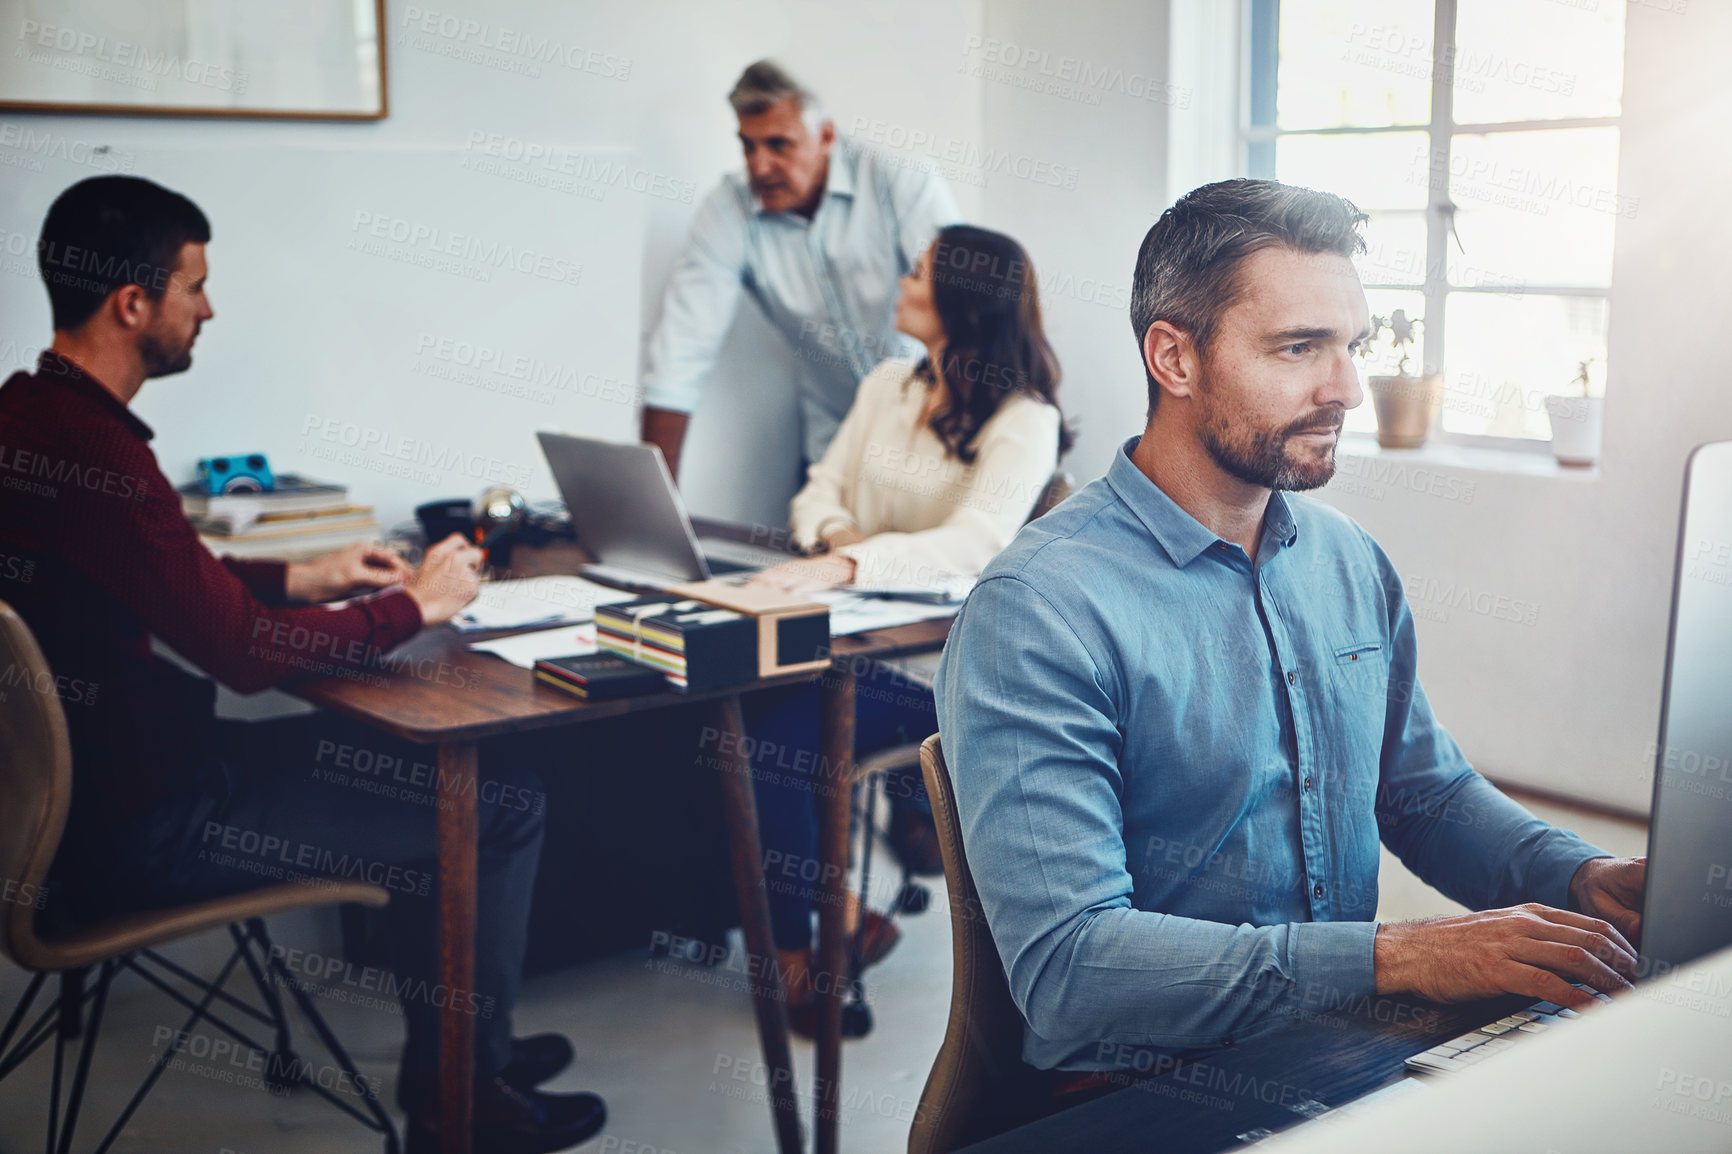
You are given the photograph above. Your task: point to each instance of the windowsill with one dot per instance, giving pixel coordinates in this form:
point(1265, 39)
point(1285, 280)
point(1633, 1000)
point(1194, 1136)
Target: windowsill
point(1469, 457)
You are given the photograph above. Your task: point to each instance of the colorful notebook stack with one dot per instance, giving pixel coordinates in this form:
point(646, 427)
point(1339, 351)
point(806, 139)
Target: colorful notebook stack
point(696, 646)
point(599, 676)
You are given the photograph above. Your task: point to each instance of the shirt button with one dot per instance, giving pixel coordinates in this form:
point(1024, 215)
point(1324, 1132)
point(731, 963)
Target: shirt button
point(1307, 785)
point(1226, 1041)
point(1317, 890)
point(1292, 679)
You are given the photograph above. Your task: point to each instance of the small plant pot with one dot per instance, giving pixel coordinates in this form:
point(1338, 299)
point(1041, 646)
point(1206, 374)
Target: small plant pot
point(1577, 423)
point(1405, 408)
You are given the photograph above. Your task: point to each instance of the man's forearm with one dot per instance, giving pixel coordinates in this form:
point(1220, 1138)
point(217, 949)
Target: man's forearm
point(666, 429)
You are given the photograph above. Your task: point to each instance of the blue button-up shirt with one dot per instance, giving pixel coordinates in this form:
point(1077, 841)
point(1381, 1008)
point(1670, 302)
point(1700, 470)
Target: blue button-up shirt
point(828, 283)
point(1173, 766)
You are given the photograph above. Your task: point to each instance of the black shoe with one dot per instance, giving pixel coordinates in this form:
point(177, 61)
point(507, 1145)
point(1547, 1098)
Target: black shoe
point(513, 1121)
point(536, 1059)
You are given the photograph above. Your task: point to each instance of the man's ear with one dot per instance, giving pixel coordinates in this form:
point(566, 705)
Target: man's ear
point(130, 306)
point(826, 135)
point(1171, 359)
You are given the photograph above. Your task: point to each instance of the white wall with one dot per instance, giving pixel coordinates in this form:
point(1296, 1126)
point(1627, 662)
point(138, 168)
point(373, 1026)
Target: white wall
point(895, 60)
point(1112, 136)
point(1571, 704)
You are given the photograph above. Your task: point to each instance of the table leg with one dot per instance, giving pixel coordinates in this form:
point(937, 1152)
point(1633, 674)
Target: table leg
point(834, 795)
point(457, 834)
point(769, 999)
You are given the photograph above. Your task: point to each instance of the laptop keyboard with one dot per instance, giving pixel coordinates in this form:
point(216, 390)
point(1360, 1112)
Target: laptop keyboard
point(734, 556)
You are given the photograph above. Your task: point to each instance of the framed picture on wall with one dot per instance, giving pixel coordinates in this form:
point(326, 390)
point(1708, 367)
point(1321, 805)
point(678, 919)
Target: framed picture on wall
point(283, 59)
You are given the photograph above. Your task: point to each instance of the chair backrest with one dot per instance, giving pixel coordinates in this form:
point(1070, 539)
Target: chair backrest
point(35, 783)
point(979, 1086)
point(1058, 486)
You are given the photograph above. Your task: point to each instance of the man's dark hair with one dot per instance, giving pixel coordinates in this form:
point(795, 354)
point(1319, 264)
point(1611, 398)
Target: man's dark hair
point(110, 231)
point(1188, 268)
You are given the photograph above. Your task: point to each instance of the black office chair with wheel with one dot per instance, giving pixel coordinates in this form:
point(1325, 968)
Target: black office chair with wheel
point(35, 791)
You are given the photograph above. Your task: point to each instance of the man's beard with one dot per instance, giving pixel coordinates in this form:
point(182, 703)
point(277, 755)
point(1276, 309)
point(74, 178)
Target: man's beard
point(1260, 456)
point(162, 359)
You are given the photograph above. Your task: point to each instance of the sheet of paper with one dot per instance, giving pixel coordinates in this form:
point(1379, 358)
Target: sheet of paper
point(525, 649)
point(524, 601)
point(851, 613)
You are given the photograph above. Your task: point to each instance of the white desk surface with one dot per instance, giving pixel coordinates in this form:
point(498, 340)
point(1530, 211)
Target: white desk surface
point(1651, 1073)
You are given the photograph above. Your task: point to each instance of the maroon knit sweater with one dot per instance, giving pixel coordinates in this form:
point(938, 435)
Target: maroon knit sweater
point(97, 557)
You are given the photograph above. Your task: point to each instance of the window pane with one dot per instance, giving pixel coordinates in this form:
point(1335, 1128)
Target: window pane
point(1354, 63)
point(1374, 172)
point(1394, 248)
point(1535, 207)
point(1382, 303)
point(1506, 355)
point(1537, 60)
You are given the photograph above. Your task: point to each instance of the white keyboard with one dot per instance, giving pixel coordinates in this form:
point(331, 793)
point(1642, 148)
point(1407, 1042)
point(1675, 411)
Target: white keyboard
point(1475, 1046)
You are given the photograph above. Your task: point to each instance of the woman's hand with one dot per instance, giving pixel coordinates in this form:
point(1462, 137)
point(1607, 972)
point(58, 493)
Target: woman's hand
point(842, 537)
point(808, 575)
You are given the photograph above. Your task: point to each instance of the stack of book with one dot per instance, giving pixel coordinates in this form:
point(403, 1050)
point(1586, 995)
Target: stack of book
point(599, 676)
point(695, 645)
point(298, 518)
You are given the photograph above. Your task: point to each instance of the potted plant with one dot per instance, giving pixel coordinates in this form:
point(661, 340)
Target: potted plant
point(1406, 404)
point(1577, 420)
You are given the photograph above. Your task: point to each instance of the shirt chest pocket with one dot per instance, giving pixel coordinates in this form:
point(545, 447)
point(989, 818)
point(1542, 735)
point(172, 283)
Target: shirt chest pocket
point(1361, 677)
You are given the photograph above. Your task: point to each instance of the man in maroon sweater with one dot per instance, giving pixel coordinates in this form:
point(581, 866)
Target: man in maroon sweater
point(98, 559)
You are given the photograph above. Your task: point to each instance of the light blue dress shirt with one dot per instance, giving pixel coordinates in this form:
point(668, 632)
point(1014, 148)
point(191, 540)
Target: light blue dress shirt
point(829, 283)
point(1173, 767)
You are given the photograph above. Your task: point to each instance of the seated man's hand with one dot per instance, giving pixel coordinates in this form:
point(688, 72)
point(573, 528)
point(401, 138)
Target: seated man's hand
point(808, 575)
point(1533, 950)
point(353, 569)
point(1610, 888)
point(449, 579)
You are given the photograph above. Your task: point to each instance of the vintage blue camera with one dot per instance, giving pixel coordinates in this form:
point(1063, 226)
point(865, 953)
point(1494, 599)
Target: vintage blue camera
point(248, 473)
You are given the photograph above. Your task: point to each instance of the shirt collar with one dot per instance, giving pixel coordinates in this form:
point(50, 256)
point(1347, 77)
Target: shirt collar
point(67, 373)
point(1183, 536)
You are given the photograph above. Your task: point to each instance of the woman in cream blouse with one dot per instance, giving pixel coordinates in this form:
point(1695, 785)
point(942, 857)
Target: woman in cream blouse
point(932, 472)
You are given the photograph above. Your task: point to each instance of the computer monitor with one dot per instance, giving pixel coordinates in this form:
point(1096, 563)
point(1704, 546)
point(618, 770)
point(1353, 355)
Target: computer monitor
point(1687, 906)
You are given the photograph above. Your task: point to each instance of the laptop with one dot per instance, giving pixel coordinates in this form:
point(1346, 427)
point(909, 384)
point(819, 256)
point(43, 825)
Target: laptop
point(626, 511)
point(1687, 899)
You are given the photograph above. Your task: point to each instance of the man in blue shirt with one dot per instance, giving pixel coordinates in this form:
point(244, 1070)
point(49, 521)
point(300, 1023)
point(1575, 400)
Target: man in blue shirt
point(817, 231)
point(1181, 710)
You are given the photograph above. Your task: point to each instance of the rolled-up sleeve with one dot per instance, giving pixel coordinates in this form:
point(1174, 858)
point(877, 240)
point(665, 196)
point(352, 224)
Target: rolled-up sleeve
point(1031, 733)
point(1444, 821)
point(703, 294)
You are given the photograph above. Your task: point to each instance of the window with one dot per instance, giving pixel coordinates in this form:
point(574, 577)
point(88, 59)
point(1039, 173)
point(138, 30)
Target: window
point(1482, 138)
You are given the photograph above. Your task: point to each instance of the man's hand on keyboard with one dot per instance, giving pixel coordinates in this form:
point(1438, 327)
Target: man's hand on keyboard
point(1530, 949)
point(1611, 888)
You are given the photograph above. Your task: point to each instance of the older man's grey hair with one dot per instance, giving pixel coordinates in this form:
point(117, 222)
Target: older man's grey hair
point(765, 83)
point(1188, 268)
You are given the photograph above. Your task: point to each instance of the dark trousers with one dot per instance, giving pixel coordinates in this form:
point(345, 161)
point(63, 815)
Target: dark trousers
point(352, 805)
point(782, 725)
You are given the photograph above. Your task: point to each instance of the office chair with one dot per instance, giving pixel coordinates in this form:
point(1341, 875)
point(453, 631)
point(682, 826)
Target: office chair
point(979, 1085)
point(35, 792)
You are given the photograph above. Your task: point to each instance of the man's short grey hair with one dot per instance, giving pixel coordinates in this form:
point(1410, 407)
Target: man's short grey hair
point(765, 83)
point(1187, 270)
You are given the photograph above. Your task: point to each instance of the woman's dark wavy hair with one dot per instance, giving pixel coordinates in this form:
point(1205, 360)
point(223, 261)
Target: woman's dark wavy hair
point(988, 304)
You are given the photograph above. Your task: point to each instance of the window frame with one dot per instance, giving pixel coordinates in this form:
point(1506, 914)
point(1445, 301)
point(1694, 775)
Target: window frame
point(1260, 133)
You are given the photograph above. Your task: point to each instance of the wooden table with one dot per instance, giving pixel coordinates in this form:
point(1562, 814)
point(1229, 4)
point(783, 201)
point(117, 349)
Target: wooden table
point(446, 696)
point(1269, 1083)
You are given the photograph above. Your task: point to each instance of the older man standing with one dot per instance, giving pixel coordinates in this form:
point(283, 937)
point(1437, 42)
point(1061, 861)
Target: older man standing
point(817, 231)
